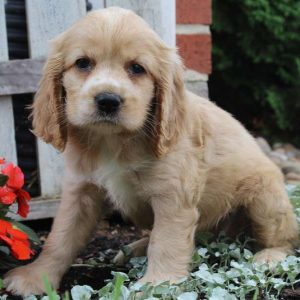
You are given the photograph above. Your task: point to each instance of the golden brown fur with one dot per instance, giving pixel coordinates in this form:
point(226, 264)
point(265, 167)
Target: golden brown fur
point(170, 161)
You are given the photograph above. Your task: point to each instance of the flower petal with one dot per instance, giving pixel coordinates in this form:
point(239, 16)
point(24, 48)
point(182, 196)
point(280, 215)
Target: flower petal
point(24, 195)
point(6, 239)
point(4, 226)
point(16, 176)
point(6, 196)
point(16, 239)
point(23, 207)
point(20, 250)
point(17, 234)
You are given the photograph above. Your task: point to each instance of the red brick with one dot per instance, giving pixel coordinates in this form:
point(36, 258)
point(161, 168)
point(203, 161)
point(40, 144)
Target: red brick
point(193, 11)
point(195, 51)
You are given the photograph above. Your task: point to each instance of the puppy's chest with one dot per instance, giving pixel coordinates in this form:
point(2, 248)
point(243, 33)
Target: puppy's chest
point(122, 182)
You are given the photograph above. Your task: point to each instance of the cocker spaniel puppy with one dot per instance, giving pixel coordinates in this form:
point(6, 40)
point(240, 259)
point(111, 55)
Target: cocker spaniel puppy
point(112, 98)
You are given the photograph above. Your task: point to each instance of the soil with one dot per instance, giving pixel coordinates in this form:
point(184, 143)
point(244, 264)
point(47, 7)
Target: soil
point(93, 265)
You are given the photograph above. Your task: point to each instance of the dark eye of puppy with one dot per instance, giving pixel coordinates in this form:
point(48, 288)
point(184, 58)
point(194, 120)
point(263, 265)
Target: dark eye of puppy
point(83, 64)
point(136, 69)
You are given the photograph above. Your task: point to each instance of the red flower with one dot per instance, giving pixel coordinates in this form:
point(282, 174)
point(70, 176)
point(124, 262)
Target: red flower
point(12, 190)
point(16, 240)
point(2, 160)
point(7, 196)
point(15, 176)
point(23, 208)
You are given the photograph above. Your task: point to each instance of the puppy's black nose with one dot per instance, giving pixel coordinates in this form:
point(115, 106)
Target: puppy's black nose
point(108, 102)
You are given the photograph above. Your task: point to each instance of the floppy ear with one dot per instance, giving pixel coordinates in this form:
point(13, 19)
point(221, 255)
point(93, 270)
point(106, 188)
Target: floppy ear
point(48, 107)
point(170, 108)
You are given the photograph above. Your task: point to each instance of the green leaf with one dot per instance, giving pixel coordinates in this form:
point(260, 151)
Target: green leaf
point(119, 280)
point(51, 293)
point(236, 253)
point(127, 250)
point(233, 273)
point(7, 261)
point(204, 275)
point(247, 254)
point(221, 294)
point(188, 296)
point(4, 249)
point(251, 282)
point(3, 211)
point(161, 289)
point(66, 296)
point(3, 179)
point(124, 292)
point(81, 292)
point(203, 252)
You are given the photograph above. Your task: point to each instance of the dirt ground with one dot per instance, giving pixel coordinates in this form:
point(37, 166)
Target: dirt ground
point(93, 266)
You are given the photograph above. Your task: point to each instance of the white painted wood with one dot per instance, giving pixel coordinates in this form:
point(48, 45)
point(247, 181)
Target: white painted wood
point(20, 76)
point(7, 128)
point(159, 14)
point(40, 208)
point(3, 36)
point(97, 4)
point(45, 20)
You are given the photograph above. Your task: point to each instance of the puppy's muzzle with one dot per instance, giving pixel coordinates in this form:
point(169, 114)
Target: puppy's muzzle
point(108, 103)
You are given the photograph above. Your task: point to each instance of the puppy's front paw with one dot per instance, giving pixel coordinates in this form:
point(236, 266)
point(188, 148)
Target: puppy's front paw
point(27, 280)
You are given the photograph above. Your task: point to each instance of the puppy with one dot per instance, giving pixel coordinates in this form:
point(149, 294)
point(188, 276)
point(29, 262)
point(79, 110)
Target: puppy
point(112, 98)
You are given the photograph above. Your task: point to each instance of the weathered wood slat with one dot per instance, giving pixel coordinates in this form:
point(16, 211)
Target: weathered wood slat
point(46, 19)
point(159, 14)
point(3, 35)
point(39, 209)
point(7, 128)
point(97, 4)
point(20, 76)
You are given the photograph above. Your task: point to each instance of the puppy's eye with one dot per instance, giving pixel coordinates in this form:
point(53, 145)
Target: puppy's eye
point(136, 69)
point(83, 64)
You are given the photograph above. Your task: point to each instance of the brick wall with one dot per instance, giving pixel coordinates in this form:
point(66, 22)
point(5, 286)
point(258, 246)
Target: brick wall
point(193, 38)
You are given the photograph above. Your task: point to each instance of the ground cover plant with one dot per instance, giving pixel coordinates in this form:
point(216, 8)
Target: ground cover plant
point(222, 268)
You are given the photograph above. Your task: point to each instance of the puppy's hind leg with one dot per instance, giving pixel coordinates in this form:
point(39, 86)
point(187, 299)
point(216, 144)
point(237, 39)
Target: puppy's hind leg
point(135, 249)
point(274, 223)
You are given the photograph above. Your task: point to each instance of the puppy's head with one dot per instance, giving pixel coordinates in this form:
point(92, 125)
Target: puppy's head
point(110, 73)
